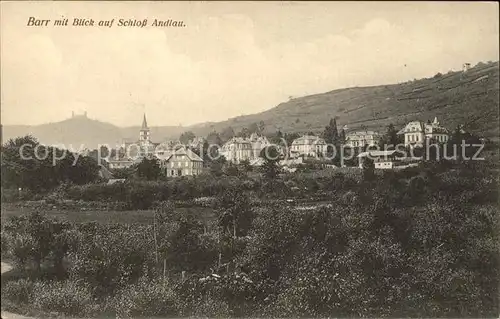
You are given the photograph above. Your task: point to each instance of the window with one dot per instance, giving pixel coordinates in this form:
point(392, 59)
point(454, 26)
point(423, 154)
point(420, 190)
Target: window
point(186, 172)
point(171, 164)
point(186, 164)
point(172, 173)
point(178, 164)
point(179, 172)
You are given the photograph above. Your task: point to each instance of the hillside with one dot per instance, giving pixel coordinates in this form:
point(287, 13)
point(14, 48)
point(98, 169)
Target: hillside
point(469, 98)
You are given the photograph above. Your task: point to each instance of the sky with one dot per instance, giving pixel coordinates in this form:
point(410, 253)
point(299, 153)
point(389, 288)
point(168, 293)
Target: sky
point(230, 59)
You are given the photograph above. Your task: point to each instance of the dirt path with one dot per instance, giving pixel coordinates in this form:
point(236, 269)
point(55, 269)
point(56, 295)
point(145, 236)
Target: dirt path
point(7, 315)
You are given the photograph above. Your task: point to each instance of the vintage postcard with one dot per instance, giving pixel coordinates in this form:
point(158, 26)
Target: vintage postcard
point(249, 159)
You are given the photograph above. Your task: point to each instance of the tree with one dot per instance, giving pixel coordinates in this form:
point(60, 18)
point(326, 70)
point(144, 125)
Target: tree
point(121, 173)
point(368, 169)
point(149, 169)
point(342, 138)
point(231, 169)
point(217, 165)
point(290, 137)
point(261, 127)
point(235, 216)
point(253, 128)
point(227, 134)
point(214, 139)
point(28, 164)
point(244, 133)
point(270, 167)
point(15, 170)
point(391, 137)
point(186, 137)
point(186, 250)
point(245, 165)
point(276, 138)
point(330, 133)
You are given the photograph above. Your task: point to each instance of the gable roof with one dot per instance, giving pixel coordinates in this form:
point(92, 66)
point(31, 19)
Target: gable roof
point(361, 133)
point(185, 151)
point(308, 140)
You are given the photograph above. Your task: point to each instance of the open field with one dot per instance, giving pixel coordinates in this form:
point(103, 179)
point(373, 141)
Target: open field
point(107, 217)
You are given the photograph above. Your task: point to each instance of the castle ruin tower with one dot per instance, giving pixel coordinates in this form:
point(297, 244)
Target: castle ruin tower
point(144, 132)
point(466, 67)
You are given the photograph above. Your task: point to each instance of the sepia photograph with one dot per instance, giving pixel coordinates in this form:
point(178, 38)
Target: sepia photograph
point(274, 159)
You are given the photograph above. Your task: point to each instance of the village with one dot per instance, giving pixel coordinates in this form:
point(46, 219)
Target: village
point(178, 159)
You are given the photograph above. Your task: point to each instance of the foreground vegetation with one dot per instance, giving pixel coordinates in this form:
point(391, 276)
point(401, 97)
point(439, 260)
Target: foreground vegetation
point(419, 242)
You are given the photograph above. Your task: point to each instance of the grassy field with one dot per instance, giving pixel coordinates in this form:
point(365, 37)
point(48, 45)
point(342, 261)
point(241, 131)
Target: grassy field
point(125, 217)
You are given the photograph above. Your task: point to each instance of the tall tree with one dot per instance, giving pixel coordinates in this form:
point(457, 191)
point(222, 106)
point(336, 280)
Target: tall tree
point(271, 157)
point(245, 132)
point(149, 169)
point(214, 139)
point(253, 128)
point(227, 134)
point(186, 137)
point(342, 138)
point(330, 133)
point(391, 137)
point(262, 127)
point(277, 137)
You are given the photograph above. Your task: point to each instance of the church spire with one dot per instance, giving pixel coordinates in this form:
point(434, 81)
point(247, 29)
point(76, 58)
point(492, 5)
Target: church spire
point(144, 123)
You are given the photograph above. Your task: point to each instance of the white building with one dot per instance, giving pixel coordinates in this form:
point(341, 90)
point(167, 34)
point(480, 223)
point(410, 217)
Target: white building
point(308, 145)
point(381, 159)
point(121, 163)
point(417, 132)
point(182, 162)
point(362, 138)
point(237, 150)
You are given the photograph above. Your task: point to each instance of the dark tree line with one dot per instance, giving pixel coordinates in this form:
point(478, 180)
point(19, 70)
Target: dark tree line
point(41, 167)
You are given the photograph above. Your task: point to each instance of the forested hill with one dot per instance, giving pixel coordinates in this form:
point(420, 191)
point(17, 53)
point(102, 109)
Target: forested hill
point(470, 98)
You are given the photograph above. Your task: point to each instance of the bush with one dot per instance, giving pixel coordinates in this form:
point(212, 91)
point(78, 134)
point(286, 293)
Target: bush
point(111, 257)
point(146, 298)
point(65, 297)
point(19, 291)
point(10, 195)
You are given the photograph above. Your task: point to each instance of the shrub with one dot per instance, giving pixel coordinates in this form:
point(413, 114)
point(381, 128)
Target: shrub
point(19, 291)
point(110, 257)
point(66, 297)
point(146, 298)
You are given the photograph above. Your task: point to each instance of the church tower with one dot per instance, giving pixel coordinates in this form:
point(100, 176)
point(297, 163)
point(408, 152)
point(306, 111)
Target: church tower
point(144, 132)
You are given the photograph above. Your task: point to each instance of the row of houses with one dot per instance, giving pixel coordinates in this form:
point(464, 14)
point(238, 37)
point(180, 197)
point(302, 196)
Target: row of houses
point(180, 160)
